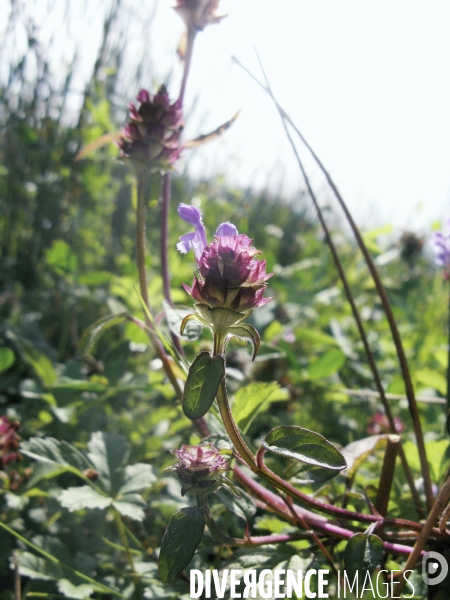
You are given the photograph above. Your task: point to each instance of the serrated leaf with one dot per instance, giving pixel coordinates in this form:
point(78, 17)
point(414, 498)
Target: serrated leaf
point(253, 399)
point(304, 445)
point(108, 453)
point(363, 553)
point(7, 359)
point(137, 477)
point(69, 589)
point(330, 362)
point(93, 333)
point(54, 452)
point(130, 505)
point(202, 384)
point(77, 498)
point(36, 567)
point(181, 538)
point(248, 333)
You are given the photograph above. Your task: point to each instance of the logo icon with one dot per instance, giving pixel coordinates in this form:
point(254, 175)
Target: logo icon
point(434, 568)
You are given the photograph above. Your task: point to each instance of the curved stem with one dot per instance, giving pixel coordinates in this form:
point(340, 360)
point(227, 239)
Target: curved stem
point(386, 305)
point(232, 430)
point(226, 414)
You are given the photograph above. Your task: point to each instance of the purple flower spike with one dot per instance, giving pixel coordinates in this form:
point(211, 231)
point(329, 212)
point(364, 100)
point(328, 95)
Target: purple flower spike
point(441, 247)
point(195, 241)
point(151, 141)
point(230, 274)
point(226, 230)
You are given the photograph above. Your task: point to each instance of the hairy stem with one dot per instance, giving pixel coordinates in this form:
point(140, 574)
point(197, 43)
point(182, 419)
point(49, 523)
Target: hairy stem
point(187, 62)
point(165, 193)
point(140, 244)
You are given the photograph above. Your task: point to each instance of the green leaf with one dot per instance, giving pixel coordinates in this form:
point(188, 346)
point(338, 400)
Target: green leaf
point(181, 538)
point(304, 445)
point(109, 453)
point(37, 360)
point(202, 384)
point(77, 498)
point(7, 359)
point(363, 553)
point(69, 589)
point(93, 333)
point(137, 477)
point(59, 455)
point(243, 507)
point(131, 505)
point(428, 378)
point(253, 399)
point(330, 362)
point(61, 258)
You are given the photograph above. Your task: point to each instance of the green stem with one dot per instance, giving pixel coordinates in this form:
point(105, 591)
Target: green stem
point(123, 537)
point(232, 430)
point(226, 414)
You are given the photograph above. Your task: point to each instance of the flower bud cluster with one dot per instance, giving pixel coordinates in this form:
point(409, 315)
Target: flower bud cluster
point(197, 14)
point(200, 468)
point(151, 140)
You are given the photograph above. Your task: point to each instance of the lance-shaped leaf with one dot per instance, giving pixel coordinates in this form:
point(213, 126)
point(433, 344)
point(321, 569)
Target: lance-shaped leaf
point(305, 446)
point(208, 137)
point(201, 387)
point(181, 538)
point(107, 138)
point(364, 552)
point(92, 334)
point(248, 333)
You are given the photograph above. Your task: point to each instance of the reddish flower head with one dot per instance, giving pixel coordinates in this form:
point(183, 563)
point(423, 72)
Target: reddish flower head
point(230, 275)
point(200, 468)
point(152, 138)
point(9, 440)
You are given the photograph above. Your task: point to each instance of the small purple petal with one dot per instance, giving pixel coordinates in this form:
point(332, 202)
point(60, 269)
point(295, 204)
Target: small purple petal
point(190, 214)
point(143, 96)
point(185, 243)
point(197, 239)
point(227, 230)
